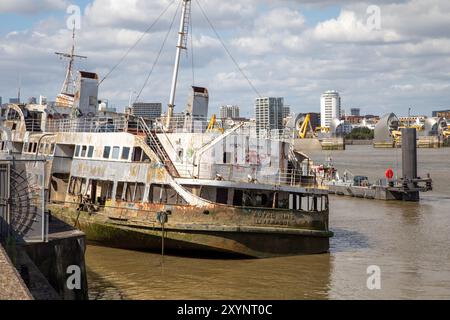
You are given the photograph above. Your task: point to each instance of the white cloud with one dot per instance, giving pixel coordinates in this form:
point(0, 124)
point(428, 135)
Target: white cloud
point(31, 6)
point(407, 62)
point(348, 28)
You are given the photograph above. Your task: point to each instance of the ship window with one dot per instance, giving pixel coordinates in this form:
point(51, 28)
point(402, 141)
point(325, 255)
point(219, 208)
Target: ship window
point(77, 151)
point(283, 201)
point(75, 186)
point(115, 153)
point(304, 204)
point(34, 147)
point(226, 157)
point(145, 157)
point(237, 200)
point(52, 149)
point(103, 191)
point(125, 153)
point(106, 152)
point(137, 154)
point(25, 147)
point(135, 192)
point(222, 195)
point(83, 151)
point(30, 147)
point(129, 193)
point(312, 202)
point(119, 191)
point(90, 153)
point(164, 194)
point(41, 148)
point(139, 194)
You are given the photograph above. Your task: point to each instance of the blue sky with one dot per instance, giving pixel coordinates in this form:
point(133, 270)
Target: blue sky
point(290, 48)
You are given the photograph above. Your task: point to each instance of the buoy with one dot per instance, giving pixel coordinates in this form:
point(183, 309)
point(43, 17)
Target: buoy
point(389, 173)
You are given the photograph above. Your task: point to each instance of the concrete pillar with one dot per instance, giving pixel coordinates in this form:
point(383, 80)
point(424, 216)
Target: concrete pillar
point(409, 153)
point(409, 164)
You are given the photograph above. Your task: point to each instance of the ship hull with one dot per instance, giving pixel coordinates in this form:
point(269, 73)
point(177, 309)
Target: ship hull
point(246, 241)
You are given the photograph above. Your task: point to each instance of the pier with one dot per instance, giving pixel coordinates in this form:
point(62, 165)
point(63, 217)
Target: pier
point(12, 286)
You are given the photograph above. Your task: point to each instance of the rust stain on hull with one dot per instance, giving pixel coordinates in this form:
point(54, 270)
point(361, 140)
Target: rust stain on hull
point(140, 230)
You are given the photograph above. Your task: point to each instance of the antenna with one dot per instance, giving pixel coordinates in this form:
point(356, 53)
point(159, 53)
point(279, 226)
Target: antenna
point(18, 89)
point(182, 42)
point(69, 82)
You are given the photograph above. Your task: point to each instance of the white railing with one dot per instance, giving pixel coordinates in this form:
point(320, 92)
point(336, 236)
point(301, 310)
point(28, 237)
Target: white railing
point(184, 124)
point(281, 178)
point(95, 125)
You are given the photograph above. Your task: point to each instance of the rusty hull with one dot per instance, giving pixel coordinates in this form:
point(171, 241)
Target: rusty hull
point(251, 232)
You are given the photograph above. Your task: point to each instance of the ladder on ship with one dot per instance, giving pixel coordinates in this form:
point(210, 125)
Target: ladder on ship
point(155, 144)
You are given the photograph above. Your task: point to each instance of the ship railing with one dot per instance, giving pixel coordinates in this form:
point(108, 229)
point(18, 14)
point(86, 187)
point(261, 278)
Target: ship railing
point(282, 178)
point(275, 134)
point(183, 124)
point(33, 125)
point(98, 125)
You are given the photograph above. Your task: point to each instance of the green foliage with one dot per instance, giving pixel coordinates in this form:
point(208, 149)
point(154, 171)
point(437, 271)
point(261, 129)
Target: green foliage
point(360, 134)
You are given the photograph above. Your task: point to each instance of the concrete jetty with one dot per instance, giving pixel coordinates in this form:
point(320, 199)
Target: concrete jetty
point(12, 286)
point(39, 270)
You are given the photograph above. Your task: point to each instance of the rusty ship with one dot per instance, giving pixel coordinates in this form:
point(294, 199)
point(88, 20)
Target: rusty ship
point(133, 182)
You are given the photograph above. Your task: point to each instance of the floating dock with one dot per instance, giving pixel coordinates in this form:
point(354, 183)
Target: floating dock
point(407, 188)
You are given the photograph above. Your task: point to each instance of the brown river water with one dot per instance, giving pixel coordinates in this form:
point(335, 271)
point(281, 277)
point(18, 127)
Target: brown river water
point(409, 242)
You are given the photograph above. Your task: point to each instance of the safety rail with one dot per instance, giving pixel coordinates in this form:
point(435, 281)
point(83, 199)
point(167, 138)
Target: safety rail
point(184, 124)
point(293, 178)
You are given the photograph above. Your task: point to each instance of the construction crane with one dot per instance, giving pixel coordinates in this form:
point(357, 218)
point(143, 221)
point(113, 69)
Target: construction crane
point(303, 131)
point(322, 130)
point(213, 125)
point(446, 133)
point(397, 135)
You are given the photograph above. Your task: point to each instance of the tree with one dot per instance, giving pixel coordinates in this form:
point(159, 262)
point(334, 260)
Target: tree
point(361, 134)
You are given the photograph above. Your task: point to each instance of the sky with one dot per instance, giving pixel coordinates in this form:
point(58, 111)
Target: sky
point(381, 56)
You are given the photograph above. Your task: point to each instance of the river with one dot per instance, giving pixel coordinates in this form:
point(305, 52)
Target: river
point(409, 242)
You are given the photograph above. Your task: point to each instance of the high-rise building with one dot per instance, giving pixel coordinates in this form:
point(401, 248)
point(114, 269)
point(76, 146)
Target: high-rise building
point(330, 107)
point(42, 100)
point(356, 112)
point(1, 102)
point(229, 112)
point(286, 111)
point(14, 100)
point(269, 114)
point(441, 113)
point(147, 110)
point(32, 100)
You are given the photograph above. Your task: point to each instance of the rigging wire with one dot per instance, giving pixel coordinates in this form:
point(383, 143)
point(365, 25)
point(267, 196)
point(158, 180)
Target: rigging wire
point(159, 53)
point(226, 49)
point(137, 42)
point(192, 50)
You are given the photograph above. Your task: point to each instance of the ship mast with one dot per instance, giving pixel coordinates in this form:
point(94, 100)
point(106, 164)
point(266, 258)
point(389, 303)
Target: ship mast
point(69, 82)
point(181, 45)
